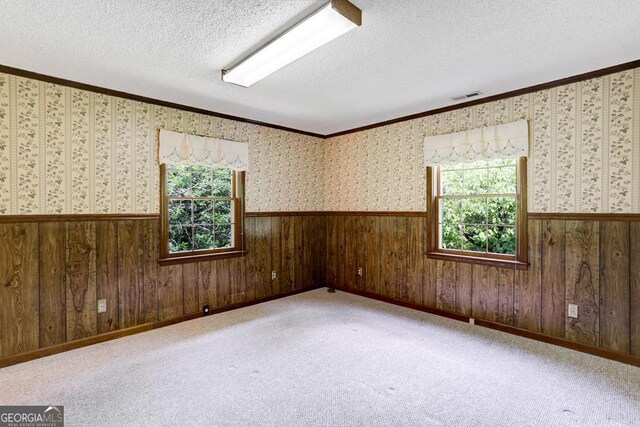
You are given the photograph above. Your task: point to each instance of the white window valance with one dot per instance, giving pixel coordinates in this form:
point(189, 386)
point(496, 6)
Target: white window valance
point(187, 149)
point(506, 141)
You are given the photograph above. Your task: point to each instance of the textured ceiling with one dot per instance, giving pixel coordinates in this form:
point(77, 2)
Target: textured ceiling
point(408, 56)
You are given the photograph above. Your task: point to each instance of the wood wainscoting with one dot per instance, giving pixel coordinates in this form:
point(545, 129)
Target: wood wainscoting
point(593, 263)
point(54, 270)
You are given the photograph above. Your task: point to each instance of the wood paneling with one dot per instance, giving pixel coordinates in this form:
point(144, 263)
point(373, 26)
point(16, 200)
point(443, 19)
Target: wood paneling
point(251, 270)
point(614, 286)
point(288, 255)
point(276, 254)
point(583, 280)
point(19, 317)
point(223, 282)
point(81, 280)
point(130, 273)
point(53, 299)
point(528, 286)
point(634, 288)
point(594, 264)
point(206, 277)
point(415, 259)
point(464, 288)
point(506, 289)
point(372, 243)
point(262, 252)
point(191, 299)
point(402, 252)
point(53, 273)
point(332, 251)
point(150, 255)
point(484, 281)
point(318, 241)
point(170, 292)
point(553, 250)
point(446, 285)
point(238, 280)
point(107, 274)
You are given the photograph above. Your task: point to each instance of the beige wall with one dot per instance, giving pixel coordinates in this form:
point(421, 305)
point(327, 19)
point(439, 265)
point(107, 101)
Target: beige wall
point(584, 151)
point(65, 150)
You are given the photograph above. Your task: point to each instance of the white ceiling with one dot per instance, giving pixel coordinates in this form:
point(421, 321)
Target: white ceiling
point(409, 55)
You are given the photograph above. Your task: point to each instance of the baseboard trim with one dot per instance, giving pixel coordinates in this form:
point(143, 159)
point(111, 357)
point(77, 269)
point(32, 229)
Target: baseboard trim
point(72, 345)
point(407, 304)
point(84, 342)
point(561, 342)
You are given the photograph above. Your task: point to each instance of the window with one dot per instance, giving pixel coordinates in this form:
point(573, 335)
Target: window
point(478, 212)
point(202, 212)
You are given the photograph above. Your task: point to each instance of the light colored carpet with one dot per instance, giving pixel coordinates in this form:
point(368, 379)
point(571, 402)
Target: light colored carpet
point(327, 359)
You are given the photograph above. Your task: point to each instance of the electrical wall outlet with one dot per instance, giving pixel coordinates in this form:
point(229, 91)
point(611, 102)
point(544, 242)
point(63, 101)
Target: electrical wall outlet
point(273, 275)
point(102, 306)
point(360, 271)
point(573, 311)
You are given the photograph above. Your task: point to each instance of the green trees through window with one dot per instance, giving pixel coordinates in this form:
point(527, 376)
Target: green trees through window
point(477, 207)
point(200, 208)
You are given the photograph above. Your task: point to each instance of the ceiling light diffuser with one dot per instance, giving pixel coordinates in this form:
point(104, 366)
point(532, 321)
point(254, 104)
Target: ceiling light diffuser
point(327, 23)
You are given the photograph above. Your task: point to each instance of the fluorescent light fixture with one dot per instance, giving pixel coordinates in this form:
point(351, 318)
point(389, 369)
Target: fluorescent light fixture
point(330, 21)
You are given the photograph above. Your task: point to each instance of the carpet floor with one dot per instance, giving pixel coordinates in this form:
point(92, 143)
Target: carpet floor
point(327, 359)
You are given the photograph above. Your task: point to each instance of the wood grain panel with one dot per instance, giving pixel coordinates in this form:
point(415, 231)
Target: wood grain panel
point(614, 286)
point(81, 305)
point(131, 273)
point(207, 284)
point(506, 289)
point(251, 257)
point(446, 285)
point(341, 248)
point(583, 280)
point(415, 259)
point(350, 255)
point(402, 251)
point(634, 288)
point(288, 257)
point(332, 251)
point(307, 250)
point(319, 243)
point(170, 292)
point(389, 255)
point(191, 299)
point(553, 251)
point(263, 257)
point(107, 274)
point(430, 291)
point(464, 288)
point(360, 251)
point(372, 243)
point(485, 294)
point(52, 291)
point(299, 242)
point(528, 287)
point(150, 272)
point(223, 282)
point(276, 255)
point(18, 288)
point(238, 283)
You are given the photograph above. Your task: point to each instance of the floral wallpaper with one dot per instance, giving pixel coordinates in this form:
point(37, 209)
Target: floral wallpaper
point(66, 151)
point(584, 151)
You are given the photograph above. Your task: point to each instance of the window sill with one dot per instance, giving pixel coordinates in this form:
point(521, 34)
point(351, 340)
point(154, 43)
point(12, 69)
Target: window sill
point(492, 262)
point(186, 259)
